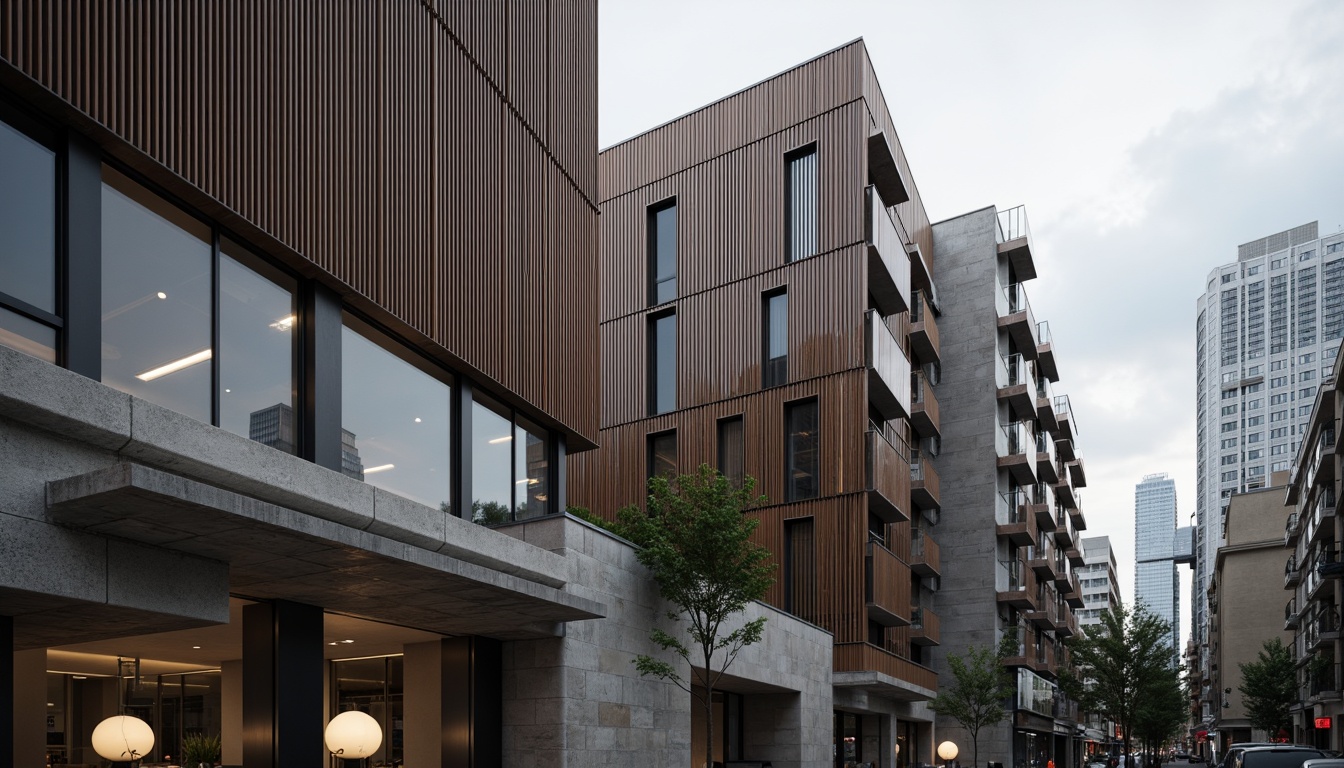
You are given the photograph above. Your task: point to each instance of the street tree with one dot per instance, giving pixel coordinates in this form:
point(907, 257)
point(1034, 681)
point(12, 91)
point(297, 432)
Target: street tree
point(1269, 688)
point(696, 541)
point(1162, 709)
point(1116, 664)
point(980, 685)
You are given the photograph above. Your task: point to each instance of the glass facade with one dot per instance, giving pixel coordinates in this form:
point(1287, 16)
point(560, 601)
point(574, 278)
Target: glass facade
point(375, 687)
point(257, 326)
point(28, 250)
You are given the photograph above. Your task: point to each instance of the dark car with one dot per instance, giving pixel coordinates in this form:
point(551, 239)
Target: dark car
point(1196, 759)
point(1230, 756)
point(1280, 756)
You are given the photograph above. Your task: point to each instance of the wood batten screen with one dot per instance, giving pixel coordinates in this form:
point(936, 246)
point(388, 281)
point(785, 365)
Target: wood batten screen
point(800, 569)
point(436, 159)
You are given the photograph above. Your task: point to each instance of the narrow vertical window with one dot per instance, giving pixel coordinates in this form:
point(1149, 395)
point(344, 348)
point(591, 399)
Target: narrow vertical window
point(800, 214)
point(732, 450)
point(775, 340)
point(803, 461)
point(28, 319)
point(800, 568)
point(531, 467)
point(257, 325)
point(663, 363)
point(662, 454)
point(663, 252)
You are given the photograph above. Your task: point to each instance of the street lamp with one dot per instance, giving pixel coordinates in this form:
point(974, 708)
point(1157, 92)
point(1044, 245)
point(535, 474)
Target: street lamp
point(353, 735)
point(947, 752)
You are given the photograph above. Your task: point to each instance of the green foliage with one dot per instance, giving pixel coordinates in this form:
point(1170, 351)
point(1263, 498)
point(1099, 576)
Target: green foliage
point(697, 543)
point(1269, 687)
point(199, 748)
point(1162, 708)
point(1120, 663)
point(588, 517)
point(980, 684)
point(489, 512)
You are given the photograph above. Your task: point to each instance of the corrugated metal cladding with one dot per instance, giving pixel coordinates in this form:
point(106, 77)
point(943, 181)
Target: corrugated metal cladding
point(614, 476)
point(437, 158)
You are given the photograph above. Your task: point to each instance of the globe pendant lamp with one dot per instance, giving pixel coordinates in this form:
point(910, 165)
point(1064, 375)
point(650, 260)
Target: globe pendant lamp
point(353, 735)
point(948, 752)
point(123, 739)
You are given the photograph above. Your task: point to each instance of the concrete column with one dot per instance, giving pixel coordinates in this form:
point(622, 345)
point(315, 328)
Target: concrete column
point(282, 685)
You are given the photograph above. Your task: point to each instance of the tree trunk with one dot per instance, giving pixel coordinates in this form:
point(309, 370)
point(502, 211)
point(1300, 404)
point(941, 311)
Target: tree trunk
point(709, 727)
point(975, 749)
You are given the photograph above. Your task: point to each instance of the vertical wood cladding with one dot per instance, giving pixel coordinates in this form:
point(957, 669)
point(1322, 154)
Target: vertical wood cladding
point(437, 158)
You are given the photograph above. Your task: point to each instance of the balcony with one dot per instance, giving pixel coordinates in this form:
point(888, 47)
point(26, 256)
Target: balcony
point(1013, 443)
point(1045, 353)
point(1014, 520)
point(888, 263)
point(1290, 619)
point(1064, 492)
point(884, 171)
point(1016, 584)
point(1323, 683)
point(925, 556)
point(1040, 506)
point(1076, 514)
point(1291, 530)
point(1077, 474)
point(925, 627)
point(1015, 316)
point(865, 657)
point(923, 328)
point(1016, 386)
point(1065, 536)
point(1067, 429)
point(886, 586)
point(1069, 625)
point(1074, 595)
point(1045, 403)
point(1325, 627)
point(1047, 469)
point(888, 475)
point(1041, 559)
point(924, 484)
point(1045, 613)
point(1292, 575)
point(888, 369)
point(924, 418)
point(1064, 448)
point(1026, 647)
point(1328, 564)
point(1015, 242)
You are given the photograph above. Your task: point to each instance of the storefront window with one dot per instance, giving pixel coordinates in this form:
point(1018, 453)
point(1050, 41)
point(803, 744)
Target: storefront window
point(374, 687)
point(27, 245)
point(510, 465)
point(396, 414)
point(156, 299)
point(532, 467)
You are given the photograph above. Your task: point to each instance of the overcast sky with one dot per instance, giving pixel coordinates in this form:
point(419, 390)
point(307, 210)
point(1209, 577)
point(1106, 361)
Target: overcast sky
point(1147, 140)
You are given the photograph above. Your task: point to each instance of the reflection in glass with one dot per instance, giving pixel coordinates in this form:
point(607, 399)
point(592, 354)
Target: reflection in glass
point(663, 364)
point(376, 688)
point(27, 220)
point(256, 349)
point(30, 338)
point(156, 299)
point(803, 459)
point(532, 465)
point(663, 253)
point(776, 340)
point(396, 415)
point(663, 454)
point(732, 450)
point(491, 464)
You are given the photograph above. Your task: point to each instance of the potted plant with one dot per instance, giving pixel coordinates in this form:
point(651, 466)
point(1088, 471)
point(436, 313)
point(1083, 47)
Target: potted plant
point(200, 751)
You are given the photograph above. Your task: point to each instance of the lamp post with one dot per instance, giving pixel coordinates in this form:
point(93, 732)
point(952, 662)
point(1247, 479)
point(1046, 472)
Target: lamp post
point(353, 735)
point(947, 752)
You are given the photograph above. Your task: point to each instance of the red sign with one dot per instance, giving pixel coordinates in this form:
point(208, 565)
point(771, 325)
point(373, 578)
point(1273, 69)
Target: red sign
point(1323, 723)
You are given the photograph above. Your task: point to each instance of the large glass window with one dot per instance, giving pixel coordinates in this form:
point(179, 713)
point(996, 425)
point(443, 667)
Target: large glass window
point(375, 687)
point(732, 450)
point(257, 320)
point(803, 460)
point(395, 410)
point(510, 465)
point(663, 363)
point(775, 341)
point(800, 213)
point(157, 306)
point(663, 252)
point(28, 254)
point(662, 455)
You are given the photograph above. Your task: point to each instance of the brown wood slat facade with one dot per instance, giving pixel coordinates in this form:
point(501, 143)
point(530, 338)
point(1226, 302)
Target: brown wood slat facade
point(725, 167)
point(435, 162)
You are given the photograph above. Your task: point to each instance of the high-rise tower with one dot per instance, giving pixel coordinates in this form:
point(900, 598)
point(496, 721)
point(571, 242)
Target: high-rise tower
point(1155, 581)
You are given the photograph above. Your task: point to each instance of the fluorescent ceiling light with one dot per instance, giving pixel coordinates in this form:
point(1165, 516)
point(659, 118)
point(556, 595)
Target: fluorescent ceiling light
point(175, 366)
point(284, 323)
point(503, 439)
point(379, 468)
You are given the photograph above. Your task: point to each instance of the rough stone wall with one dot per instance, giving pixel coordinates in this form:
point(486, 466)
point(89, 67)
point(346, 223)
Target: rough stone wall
point(577, 700)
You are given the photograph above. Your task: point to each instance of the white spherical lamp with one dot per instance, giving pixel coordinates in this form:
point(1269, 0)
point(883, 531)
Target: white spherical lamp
point(948, 751)
point(353, 735)
point(123, 739)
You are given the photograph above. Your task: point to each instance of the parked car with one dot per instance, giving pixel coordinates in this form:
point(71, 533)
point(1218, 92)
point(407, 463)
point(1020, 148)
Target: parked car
point(1278, 756)
point(1329, 762)
point(1229, 757)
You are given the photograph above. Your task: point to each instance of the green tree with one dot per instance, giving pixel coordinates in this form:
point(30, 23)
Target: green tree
point(1161, 710)
point(1269, 687)
point(696, 541)
point(980, 684)
point(1116, 664)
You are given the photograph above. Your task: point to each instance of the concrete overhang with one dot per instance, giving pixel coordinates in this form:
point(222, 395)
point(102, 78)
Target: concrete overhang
point(882, 684)
point(274, 552)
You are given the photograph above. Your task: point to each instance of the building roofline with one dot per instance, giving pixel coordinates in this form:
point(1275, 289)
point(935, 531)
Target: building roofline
point(856, 41)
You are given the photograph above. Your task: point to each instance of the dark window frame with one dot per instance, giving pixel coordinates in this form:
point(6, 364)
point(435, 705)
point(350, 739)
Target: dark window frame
point(649, 453)
point(790, 461)
point(720, 441)
point(651, 262)
point(653, 372)
point(790, 246)
point(43, 134)
point(774, 370)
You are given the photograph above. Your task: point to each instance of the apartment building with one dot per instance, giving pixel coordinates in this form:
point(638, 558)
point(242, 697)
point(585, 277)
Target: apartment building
point(768, 307)
point(1242, 600)
point(1156, 583)
point(1267, 330)
point(1314, 568)
point(1097, 577)
point(289, 303)
point(1011, 521)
